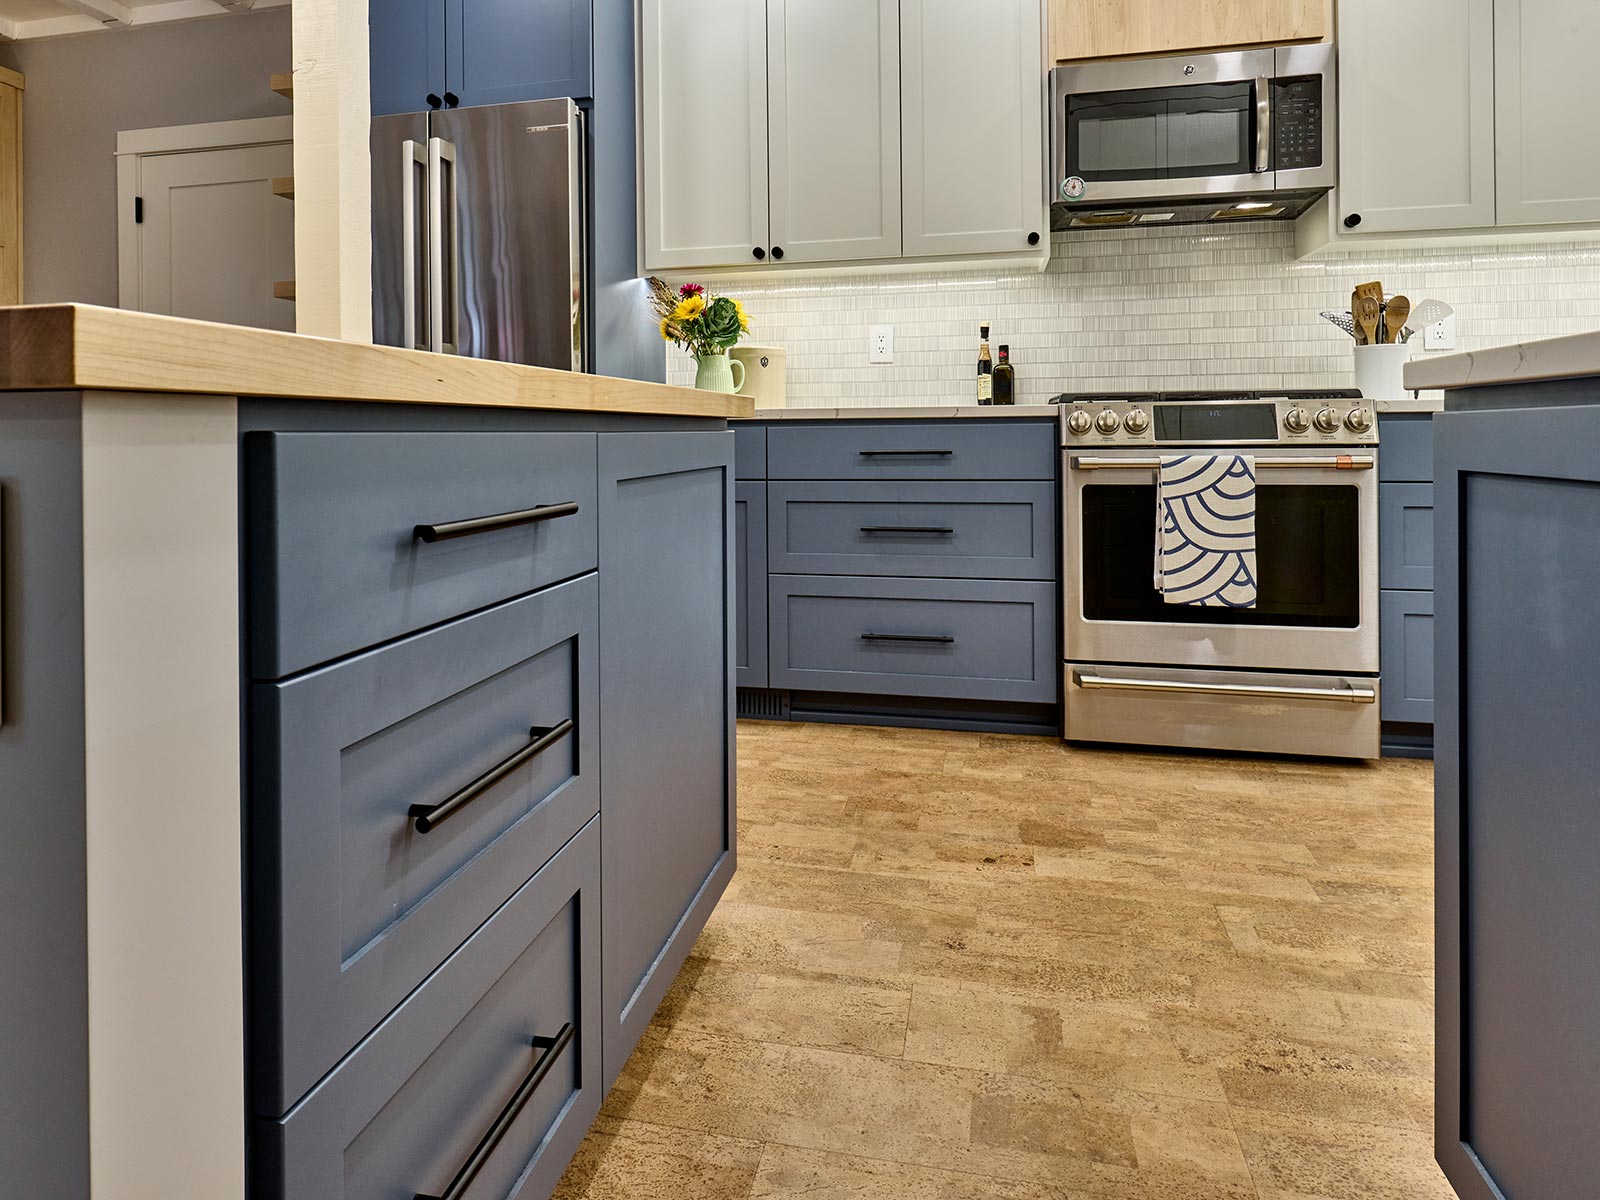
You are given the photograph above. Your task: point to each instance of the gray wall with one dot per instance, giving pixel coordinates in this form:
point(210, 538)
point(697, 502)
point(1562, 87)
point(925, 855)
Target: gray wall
point(83, 89)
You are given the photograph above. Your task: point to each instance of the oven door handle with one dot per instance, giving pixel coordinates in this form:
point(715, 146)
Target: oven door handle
point(1347, 695)
point(1334, 462)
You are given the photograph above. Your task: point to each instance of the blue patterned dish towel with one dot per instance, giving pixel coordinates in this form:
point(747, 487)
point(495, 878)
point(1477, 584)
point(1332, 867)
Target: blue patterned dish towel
point(1206, 530)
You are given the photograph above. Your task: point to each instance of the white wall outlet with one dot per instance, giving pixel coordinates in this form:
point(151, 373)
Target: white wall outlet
point(1441, 335)
point(880, 343)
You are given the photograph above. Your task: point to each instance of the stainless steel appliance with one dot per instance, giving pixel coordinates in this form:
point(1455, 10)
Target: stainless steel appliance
point(1298, 673)
point(478, 232)
point(1243, 135)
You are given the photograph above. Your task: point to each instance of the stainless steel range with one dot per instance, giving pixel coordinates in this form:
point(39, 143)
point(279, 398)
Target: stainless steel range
point(1298, 672)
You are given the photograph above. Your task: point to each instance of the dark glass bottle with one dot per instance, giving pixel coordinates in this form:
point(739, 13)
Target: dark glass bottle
point(1005, 379)
point(985, 368)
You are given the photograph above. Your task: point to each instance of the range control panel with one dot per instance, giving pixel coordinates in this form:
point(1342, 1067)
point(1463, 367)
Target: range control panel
point(1267, 422)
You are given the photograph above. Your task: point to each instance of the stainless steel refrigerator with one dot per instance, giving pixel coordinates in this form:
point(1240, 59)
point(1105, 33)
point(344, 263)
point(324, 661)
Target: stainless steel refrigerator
point(478, 232)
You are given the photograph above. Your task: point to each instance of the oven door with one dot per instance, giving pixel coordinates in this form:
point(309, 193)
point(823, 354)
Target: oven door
point(1163, 128)
point(1316, 563)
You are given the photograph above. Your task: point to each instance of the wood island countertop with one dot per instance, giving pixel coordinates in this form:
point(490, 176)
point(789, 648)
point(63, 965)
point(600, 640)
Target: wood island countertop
point(78, 347)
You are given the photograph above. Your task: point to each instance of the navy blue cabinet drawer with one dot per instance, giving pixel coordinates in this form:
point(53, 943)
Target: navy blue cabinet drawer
point(1405, 536)
point(960, 529)
point(1406, 637)
point(361, 891)
point(514, 1014)
point(1405, 448)
point(749, 451)
point(957, 638)
point(859, 449)
point(339, 558)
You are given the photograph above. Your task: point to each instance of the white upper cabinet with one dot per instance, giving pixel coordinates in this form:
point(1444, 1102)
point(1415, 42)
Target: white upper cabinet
point(1416, 114)
point(1548, 171)
point(833, 70)
point(703, 132)
point(972, 142)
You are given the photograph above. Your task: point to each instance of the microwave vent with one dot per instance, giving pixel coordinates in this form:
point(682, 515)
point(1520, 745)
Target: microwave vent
point(1101, 220)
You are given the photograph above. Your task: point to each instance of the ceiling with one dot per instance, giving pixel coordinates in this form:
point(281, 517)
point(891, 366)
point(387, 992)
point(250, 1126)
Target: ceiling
point(24, 20)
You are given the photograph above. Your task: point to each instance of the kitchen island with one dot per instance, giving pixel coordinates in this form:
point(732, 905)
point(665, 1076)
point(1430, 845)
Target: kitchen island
point(1517, 817)
point(367, 749)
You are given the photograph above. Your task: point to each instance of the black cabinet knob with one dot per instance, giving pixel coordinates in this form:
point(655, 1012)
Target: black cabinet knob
point(1033, 239)
point(452, 99)
point(777, 252)
point(1352, 220)
point(759, 253)
point(434, 101)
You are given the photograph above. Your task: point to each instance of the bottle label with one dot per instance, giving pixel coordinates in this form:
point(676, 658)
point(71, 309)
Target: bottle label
point(985, 388)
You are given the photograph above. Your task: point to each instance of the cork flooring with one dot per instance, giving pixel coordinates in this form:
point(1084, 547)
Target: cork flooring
point(963, 967)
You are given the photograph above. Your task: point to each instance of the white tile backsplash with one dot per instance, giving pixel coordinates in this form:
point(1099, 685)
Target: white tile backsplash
point(1191, 307)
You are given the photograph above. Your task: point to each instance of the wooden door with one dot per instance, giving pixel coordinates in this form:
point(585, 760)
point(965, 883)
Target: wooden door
point(703, 133)
point(1113, 28)
point(214, 239)
point(1416, 115)
point(834, 67)
point(10, 187)
point(499, 51)
point(1543, 53)
point(972, 136)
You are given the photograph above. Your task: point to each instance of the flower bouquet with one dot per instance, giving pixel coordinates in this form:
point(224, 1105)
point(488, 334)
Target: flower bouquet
point(704, 325)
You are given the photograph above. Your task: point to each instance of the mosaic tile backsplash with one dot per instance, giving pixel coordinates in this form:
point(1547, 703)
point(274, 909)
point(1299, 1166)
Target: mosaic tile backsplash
point(1139, 308)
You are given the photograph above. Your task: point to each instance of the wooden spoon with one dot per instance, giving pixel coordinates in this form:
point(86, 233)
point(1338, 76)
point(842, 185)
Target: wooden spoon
point(1366, 306)
point(1395, 315)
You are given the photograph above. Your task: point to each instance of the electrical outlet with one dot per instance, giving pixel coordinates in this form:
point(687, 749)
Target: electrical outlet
point(1441, 335)
point(880, 343)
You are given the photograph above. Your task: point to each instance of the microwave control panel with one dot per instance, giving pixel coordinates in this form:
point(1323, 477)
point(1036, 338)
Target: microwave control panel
point(1297, 123)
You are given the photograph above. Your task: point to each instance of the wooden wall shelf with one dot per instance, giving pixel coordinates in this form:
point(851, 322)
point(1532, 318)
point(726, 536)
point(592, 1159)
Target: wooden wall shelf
point(284, 289)
point(284, 186)
point(283, 84)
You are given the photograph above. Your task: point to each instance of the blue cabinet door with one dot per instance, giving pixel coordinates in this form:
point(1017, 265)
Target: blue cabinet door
point(1406, 645)
point(666, 711)
point(407, 46)
point(750, 561)
point(1405, 536)
point(498, 51)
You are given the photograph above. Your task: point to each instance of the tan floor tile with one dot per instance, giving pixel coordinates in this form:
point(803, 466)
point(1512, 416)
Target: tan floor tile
point(1301, 1158)
point(629, 1160)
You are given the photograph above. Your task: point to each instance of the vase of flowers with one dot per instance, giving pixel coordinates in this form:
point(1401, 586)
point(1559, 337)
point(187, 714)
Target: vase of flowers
point(706, 326)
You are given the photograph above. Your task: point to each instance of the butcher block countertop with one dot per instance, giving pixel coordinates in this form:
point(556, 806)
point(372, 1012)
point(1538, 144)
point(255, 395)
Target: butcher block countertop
point(74, 347)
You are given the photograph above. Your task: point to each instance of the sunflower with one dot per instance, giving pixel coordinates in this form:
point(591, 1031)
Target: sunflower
point(689, 308)
point(666, 329)
point(744, 317)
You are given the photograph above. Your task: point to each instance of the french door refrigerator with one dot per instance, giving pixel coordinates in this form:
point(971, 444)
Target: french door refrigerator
point(478, 232)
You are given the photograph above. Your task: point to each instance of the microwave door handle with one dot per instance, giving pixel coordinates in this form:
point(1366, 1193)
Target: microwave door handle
point(1263, 94)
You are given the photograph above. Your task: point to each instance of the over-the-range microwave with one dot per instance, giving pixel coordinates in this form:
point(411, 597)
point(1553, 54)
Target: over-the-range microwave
point(1243, 135)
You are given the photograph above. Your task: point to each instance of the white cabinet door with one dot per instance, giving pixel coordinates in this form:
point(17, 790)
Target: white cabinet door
point(972, 149)
point(834, 67)
point(1548, 170)
point(1416, 114)
point(703, 129)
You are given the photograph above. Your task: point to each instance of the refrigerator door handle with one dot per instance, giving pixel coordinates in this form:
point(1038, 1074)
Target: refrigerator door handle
point(413, 260)
point(578, 208)
point(444, 246)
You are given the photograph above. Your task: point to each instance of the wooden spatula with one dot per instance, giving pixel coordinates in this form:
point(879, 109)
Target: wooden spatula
point(1395, 315)
point(1366, 306)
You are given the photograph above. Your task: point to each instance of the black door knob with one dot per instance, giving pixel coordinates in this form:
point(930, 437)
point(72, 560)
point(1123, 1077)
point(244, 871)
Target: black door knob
point(1352, 220)
point(434, 101)
point(452, 99)
point(1033, 239)
point(777, 252)
point(759, 253)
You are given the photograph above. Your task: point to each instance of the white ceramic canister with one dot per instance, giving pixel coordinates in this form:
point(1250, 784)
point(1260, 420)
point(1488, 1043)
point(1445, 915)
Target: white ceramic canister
point(1380, 370)
point(765, 374)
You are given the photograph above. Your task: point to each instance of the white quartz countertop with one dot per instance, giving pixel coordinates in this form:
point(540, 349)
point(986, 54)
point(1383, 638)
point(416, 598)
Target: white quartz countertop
point(941, 412)
point(1424, 404)
point(1523, 362)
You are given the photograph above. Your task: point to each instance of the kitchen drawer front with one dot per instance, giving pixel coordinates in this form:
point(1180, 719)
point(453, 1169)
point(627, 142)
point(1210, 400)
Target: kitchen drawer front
point(1405, 448)
point(401, 1115)
point(963, 530)
point(958, 638)
point(859, 449)
point(358, 904)
point(335, 565)
point(1406, 637)
point(749, 451)
point(1405, 536)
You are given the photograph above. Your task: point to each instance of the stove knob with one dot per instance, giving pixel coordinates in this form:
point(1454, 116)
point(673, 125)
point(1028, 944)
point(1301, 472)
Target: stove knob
point(1297, 420)
point(1327, 420)
point(1107, 422)
point(1079, 421)
point(1359, 420)
point(1136, 422)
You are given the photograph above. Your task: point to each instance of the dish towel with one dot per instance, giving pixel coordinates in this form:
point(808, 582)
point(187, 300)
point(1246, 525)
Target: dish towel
point(1206, 530)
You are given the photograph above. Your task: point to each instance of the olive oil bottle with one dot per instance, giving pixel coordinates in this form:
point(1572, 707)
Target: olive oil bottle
point(1005, 379)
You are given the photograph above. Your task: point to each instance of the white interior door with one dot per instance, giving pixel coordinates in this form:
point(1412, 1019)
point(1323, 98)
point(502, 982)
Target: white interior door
point(214, 238)
point(834, 111)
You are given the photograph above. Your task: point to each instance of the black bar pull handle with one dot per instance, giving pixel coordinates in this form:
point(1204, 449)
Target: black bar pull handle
point(549, 1050)
point(510, 520)
point(941, 530)
point(932, 639)
point(429, 815)
point(916, 453)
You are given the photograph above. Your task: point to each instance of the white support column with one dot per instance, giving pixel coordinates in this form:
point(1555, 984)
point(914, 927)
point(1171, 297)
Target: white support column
point(333, 184)
point(164, 840)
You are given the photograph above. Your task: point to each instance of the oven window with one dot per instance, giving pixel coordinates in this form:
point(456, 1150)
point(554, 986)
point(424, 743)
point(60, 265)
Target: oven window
point(1161, 133)
point(1307, 558)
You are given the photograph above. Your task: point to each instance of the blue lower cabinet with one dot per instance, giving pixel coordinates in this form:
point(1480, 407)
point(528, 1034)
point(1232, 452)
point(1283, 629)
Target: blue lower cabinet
point(1405, 448)
point(750, 451)
point(667, 599)
point(1406, 625)
point(1405, 536)
point(363, 885)
point(860, 449)
point(750, 562)
point(956, 638)
point(499, 1052)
